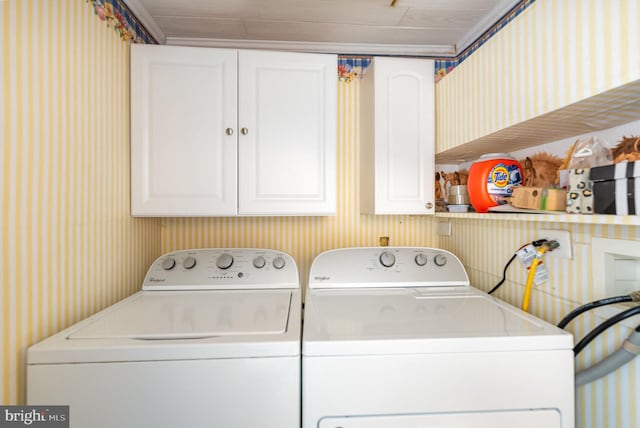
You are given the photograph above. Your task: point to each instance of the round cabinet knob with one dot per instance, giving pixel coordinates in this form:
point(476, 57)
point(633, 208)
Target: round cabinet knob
point(189, 262)
point(244, 131)
point(278, 262)
point(387, 259)
point(168, 263)
point(440, 259)
point(259, 262)
point(224, 261)
point(421, 259)
point(228, 131)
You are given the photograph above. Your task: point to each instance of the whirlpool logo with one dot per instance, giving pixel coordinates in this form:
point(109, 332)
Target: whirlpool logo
point(34, 416)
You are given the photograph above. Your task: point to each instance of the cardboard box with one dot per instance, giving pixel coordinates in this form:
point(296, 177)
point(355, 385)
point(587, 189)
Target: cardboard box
point(616, 188)
point(539, 198)
point(526, 197)
point(554, 199)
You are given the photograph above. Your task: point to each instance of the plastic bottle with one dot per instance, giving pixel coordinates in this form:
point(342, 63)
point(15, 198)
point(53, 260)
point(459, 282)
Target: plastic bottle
point(491, 180)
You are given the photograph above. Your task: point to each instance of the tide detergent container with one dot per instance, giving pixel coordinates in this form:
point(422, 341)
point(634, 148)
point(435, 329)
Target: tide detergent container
point(492, 179)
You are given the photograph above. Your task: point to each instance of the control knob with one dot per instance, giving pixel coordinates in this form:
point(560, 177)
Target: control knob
point(278, 262)
point(440, 260)
point(224, 261)
point(259, 262)
point(168, 263)
point(189, 262)
point(421, 259)
point(387, 259)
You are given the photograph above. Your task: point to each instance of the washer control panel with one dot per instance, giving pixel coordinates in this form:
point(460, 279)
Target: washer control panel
point(387, 267)
point(222, 268)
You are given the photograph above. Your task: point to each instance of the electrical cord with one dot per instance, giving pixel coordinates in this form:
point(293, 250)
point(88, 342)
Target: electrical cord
point(633, 297)
point(604, 326)
point(513, 257)
point(504, 274)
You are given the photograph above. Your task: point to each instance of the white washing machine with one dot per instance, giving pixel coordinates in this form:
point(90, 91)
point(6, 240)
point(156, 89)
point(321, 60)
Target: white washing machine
point(212, 340)
point(397, 338)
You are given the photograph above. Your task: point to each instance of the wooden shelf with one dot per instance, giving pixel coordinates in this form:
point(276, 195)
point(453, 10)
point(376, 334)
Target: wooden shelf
point(608, 109)
point(629, 220)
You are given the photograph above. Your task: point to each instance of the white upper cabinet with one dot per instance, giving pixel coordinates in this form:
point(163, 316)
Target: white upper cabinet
point(287, 104)
point(182, 160)
point(219, 132)
point(397, 134)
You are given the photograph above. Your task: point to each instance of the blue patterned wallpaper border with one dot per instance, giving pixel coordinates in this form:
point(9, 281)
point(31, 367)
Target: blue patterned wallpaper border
point(352, 68)
point(445, 65)
point(115, 13)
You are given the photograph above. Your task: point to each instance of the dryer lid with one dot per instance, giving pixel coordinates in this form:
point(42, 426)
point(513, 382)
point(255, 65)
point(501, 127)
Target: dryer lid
point(192, 315)
point(392, 321)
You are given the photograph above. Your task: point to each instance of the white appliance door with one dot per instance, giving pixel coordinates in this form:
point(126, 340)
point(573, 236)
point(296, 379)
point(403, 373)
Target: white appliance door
point(163, 315)
point(176, 325)
point(382, 321)
point(499, 419)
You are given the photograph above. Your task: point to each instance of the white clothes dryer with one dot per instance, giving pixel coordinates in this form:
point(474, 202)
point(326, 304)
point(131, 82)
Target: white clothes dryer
point(211, 340)
point(397, 338)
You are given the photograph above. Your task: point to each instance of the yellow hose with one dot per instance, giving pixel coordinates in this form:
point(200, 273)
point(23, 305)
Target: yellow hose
point(532, 274)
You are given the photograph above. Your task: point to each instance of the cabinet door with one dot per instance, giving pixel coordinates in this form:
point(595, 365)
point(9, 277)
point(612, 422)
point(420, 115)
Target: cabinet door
point(183, 108)
point(397, 149)
point(287, 157)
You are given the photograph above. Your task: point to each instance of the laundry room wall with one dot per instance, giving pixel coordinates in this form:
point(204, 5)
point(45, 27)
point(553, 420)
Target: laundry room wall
point(485, 246)
point(553, 54)
point(69, 246)
point(306, 237)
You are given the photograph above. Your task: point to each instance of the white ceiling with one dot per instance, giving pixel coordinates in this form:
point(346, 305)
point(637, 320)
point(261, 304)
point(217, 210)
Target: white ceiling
point(411, 27)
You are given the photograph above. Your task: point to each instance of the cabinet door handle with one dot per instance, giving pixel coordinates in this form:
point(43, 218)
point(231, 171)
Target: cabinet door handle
point(428, 205)
point(228, 131)
point(244, 131)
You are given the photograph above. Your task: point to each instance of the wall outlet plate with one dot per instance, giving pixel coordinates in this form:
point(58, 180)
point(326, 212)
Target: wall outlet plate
point(444, 228)
point(564, 239)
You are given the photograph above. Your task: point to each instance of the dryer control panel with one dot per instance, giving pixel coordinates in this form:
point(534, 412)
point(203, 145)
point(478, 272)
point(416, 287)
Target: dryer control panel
point(387, 267)
point(222, 268)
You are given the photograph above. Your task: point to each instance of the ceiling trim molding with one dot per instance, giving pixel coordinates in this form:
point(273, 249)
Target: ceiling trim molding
point(485, 24)
point(143, 15)
point(319, 47)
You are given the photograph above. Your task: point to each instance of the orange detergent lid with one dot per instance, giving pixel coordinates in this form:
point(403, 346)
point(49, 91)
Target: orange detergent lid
point(491, 180)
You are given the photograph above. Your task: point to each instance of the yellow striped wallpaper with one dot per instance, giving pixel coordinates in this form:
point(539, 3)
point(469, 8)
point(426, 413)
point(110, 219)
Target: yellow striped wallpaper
point(306, 237)
point(555, 53)
point(485, 246)
point(69, 245)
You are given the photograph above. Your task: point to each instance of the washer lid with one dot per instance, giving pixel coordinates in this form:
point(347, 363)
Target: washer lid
point(398, 321)
point(181, 325)
point(193, 315)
